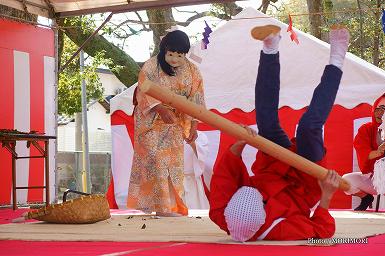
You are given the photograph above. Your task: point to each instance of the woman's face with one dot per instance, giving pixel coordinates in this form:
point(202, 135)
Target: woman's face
point(175, 59)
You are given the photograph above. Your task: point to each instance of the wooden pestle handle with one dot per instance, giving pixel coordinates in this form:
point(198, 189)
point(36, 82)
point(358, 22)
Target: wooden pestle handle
point(235, 130)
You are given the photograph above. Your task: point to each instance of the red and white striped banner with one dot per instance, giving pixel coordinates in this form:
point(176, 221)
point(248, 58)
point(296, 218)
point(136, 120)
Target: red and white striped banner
point(27, 103)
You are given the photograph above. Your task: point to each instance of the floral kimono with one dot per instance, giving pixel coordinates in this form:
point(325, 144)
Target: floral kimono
point(156, 182)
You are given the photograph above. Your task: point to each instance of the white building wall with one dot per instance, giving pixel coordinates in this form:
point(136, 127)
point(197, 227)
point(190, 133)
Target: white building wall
point(99, 140)
point(66, 137)
point(111, 84)
point(98, 119)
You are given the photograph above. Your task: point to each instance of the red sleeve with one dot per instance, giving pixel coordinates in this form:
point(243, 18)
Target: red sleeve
point(229, 175)
point(299, 227)
point(363, 146)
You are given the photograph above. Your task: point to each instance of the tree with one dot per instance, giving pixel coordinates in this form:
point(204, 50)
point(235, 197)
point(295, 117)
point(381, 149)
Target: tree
point(69, 87)
point(377, 35)
point(17, 14)
point(79, 30)
point(367, 39)
point(159, 20)
point(361, 30)
point(294, 7)
point(315, 7)
point(266, 4)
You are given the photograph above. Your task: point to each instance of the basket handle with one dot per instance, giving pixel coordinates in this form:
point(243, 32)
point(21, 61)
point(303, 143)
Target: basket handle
point(73, 191)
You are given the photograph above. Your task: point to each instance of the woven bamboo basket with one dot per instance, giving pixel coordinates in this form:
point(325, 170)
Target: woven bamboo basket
point(82, 210)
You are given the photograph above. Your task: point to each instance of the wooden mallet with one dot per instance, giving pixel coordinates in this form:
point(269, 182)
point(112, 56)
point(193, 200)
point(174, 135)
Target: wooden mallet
point(199, 112)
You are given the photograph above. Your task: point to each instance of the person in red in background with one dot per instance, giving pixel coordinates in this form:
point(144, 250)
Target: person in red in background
point(369, 147)
point(276, 203)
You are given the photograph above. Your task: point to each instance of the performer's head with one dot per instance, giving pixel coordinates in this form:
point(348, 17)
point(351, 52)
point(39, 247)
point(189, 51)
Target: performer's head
point(245, 213)
point(172, 51)
point(379, 109)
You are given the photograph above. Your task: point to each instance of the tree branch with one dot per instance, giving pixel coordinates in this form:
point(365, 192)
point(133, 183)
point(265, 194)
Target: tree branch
point(128, 74)
point(192, 18)
point(140, 18)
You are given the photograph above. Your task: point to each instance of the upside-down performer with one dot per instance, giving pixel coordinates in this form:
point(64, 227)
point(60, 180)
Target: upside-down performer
point(276, 203)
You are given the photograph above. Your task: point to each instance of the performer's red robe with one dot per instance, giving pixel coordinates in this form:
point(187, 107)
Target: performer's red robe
point(288, 194)
point(366, 141)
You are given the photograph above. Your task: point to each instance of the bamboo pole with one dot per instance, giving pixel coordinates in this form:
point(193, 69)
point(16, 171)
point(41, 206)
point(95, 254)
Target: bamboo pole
point(182, 104)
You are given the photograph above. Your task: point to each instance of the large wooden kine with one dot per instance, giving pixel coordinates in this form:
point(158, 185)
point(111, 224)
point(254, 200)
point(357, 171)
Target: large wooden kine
point(235, 130)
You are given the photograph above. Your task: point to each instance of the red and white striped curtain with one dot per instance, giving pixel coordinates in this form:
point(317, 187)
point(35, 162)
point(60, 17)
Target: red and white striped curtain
point(338, 135)
point(27, 103)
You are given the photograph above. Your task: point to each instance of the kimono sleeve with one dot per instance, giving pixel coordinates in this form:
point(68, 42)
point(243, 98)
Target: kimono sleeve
point(197, 91)
point(145, 102)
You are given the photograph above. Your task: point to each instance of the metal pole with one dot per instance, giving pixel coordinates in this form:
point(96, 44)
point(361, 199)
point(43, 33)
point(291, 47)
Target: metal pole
point(56, 180)
point(86, 157)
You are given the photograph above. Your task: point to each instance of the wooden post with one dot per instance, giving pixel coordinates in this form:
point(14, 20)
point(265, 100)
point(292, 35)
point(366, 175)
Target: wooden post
point(14, 193)
point(235, 130)
point(46, 163)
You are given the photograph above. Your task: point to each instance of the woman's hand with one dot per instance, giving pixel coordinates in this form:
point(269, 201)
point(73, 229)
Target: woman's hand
point(193, 133)
point(329, 185)
point(238, 146)
point(380, 151)
point(167, 115)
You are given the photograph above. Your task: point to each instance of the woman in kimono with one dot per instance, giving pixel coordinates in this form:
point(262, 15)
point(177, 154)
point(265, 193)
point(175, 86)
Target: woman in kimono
point(156, 182)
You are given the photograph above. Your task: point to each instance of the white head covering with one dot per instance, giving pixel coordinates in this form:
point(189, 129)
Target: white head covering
point(245, 213)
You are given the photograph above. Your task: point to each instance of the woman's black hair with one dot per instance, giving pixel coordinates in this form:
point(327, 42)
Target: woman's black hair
point(175, 41)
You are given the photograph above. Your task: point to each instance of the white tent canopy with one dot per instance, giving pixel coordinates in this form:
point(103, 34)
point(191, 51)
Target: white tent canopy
point(230, 63)
point(229, 68)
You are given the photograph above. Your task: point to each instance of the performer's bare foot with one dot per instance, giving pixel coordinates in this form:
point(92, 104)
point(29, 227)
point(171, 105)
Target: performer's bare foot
point(270, 35)
point(339, 43)
point(261, 32)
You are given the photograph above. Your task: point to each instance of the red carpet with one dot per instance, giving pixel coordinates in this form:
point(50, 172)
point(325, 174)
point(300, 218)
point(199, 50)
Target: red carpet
point(7, 215)
point(17, 247)
point(375, 245)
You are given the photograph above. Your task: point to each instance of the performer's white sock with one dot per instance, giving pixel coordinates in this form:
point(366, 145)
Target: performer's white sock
point(271, 43)
point(339, 43)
